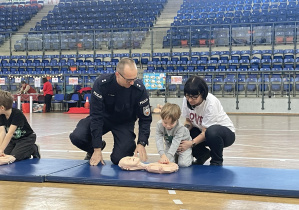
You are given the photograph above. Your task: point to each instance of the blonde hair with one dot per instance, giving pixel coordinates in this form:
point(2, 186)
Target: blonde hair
point(6, 99)
point(171, 111)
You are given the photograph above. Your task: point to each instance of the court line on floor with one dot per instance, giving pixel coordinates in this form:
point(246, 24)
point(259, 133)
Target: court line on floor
point(154, 154)
point(266, 147)
point(256, 129)
point(53, 134)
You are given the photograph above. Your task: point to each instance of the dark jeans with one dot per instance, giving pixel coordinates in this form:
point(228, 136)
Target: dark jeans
point(217, 137)
point(48, 100)
point(21, 148)
point(124, 138)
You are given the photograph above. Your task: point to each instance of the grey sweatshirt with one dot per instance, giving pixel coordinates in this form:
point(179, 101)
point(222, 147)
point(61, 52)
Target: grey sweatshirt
point(172, 138)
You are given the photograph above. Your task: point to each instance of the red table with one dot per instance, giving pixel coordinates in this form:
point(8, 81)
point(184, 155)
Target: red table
point(26, 97)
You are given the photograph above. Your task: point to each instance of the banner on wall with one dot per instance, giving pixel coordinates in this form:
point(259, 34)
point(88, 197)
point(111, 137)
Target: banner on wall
point(73, 80)
point(18, 80)
point(178, 80)
point(153, 81)
point(54, 80)
point(2, 81)
point(37, 81)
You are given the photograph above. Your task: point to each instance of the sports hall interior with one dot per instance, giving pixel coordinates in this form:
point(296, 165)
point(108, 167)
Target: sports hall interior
point(246, 50)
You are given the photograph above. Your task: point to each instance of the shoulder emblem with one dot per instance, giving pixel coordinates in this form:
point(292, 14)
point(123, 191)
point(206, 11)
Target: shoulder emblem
point(105, 79)
point(146, 110)
point(138, 83)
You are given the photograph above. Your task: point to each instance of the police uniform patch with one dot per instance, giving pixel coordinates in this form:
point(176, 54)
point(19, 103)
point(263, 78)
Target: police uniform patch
point(97, 95)
point(146, 110)
point(144, 101)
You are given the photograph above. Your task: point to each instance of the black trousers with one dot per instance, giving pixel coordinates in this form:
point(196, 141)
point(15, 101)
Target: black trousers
point(21, 148)
point(48, 100)
point(123, 134)
point(217, 137)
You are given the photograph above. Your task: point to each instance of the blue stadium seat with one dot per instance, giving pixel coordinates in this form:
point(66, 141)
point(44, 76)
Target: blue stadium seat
point(277, 59)
point(251, 83)
point(234, 59)
point(229, 83)
point(240, 86)
point(145, 58)
point(232, 68)
point(288, 82)
point(276, 83)
point(221, 68)
point(266, 59)
point(217, 83)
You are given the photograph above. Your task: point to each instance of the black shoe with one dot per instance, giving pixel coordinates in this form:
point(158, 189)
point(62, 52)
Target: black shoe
point(36, 153)
point(103, 145)
point(215, 164)
point(88, 155)
point(202, 158)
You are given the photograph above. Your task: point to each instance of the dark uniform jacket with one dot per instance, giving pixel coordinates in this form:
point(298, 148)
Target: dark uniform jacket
point(119, 105)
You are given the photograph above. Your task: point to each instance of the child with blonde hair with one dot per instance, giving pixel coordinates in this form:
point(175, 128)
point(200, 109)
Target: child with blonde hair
point(169, 134)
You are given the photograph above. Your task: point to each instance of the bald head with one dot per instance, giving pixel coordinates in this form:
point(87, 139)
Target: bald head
point(125, 62)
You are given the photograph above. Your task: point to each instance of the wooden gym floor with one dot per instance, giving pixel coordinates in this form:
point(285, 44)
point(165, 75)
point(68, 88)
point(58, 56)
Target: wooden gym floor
point(261, 141)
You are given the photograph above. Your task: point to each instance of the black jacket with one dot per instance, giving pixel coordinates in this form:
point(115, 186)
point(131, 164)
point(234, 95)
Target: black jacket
point(119, 105)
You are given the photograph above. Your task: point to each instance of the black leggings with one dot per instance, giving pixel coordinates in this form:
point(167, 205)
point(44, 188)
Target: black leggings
point(217, 137)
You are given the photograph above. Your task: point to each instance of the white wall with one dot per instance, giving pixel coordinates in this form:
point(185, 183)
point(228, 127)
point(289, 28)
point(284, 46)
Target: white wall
point(246, 105)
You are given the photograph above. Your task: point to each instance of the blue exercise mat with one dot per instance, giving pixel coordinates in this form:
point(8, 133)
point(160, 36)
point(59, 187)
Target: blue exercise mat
point(226, 179)
point(35, 170)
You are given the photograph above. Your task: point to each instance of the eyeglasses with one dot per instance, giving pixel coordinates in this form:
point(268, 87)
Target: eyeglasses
point(192, 97)
point(128, 80)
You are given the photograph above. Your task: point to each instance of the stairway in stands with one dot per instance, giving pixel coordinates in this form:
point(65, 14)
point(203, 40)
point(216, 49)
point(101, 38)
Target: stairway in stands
point(26, 28)
point(166, 18)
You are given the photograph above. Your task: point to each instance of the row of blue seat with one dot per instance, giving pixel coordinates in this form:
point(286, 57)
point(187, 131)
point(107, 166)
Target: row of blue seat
point(276, 63)
point(174, 58)
point(79, 15)
point(63, 71)
point(214, 6)
point(247, 9)
point(194, 13)
point(160, 56)
point(11, 19)
point(191, 69)
point(106, 3)
point(227, 19)
point(215, 3)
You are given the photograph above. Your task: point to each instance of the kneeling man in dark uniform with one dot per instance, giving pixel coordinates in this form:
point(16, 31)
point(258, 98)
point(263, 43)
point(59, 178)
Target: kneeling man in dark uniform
point(117, 100)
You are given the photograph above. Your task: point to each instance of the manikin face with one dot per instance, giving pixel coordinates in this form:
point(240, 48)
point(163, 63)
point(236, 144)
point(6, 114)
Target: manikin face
point(130, 163)
point(194, 100)
point(128, 77)
point(168, 124)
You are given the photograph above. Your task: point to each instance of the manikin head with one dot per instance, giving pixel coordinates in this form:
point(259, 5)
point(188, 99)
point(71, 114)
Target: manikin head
point(131, 163)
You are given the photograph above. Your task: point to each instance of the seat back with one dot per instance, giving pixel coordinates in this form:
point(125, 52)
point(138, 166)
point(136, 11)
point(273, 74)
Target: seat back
point(59, 97)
